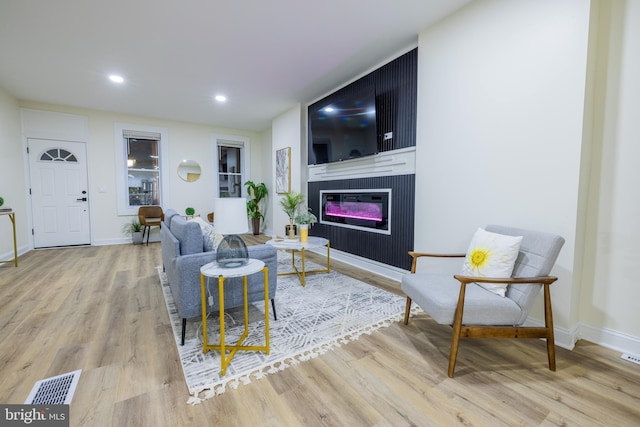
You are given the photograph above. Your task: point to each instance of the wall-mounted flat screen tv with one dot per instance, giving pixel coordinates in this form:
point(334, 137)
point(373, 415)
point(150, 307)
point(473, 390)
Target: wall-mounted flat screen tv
point(343, 128)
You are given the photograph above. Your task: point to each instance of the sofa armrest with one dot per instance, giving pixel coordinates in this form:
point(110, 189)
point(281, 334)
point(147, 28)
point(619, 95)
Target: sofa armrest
point(186, 286)
point(269, 255)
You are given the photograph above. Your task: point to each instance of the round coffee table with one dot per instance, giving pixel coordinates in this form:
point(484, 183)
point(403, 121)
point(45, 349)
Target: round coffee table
point(293, 245)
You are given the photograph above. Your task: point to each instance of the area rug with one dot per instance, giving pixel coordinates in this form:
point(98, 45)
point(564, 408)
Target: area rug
point(331, 310)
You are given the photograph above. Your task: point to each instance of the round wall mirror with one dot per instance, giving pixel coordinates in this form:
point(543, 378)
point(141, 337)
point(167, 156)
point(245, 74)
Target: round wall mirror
point(189, 170)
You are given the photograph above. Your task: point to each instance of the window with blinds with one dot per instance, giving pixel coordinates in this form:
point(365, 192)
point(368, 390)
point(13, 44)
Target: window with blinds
point(143, 170)
point(139, 152)
point(231, 166)
point(229, 171)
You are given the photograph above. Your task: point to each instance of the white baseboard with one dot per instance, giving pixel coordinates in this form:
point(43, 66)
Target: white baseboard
point(614, 340)
point(610, 338)
point(9, 255)
point(390, 272)
point(112, 241)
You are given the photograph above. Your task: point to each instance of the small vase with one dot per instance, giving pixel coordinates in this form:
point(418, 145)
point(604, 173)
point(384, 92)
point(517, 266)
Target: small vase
point(292, 230)
point(304, 232)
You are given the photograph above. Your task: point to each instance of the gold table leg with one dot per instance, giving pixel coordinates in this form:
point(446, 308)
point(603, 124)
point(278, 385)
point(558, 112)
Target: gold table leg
point(12, 218)
point(302, 273)
point(222, 346)
point(15, 246)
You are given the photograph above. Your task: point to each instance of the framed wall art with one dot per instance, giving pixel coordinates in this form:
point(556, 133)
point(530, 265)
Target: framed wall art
point(283, 170)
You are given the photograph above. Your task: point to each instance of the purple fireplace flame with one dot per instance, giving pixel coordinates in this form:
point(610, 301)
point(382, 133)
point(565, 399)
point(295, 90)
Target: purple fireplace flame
point(364, 209)
point(356, 210)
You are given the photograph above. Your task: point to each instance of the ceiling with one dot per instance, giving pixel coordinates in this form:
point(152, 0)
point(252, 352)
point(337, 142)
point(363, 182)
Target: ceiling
point(175, 56)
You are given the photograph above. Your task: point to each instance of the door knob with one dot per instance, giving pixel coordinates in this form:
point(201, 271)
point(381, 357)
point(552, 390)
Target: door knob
point(83, 199)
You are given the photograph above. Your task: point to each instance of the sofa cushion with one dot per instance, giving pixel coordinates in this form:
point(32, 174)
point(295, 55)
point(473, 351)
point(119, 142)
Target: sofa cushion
point(188, 234)
point(437, 294)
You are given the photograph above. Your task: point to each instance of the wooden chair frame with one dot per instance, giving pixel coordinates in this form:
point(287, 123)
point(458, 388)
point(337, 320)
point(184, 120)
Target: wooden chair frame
point(461, 330)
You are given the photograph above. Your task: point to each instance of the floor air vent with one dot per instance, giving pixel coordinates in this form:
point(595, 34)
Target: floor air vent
point(56, 390)
point(631, 358)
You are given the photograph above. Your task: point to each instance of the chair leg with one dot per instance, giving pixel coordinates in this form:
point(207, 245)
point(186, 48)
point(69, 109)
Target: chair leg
point(184, 329)
point(453, 355)
point(148, 234)
point(548, 320)
point(273, 305)
point(457, 327)
point(407, 310)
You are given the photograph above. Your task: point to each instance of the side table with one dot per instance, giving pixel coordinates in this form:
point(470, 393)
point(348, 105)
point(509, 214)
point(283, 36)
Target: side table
point(12, 217)
point(213, 270)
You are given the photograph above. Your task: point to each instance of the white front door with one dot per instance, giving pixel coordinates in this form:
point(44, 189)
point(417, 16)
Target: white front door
point(59, 193)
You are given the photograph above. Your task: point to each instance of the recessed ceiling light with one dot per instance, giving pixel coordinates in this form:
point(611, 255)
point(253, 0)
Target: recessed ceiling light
point(221, 98)
point(116, 79)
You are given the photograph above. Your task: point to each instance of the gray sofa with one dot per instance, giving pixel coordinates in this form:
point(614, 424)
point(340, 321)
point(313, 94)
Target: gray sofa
point(182, 256)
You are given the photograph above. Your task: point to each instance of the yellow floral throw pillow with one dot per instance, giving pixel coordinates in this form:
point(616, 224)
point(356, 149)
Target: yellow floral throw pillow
point(491, 255)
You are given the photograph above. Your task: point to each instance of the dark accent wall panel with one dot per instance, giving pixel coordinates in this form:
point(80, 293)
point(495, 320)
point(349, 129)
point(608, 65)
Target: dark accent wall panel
point(397, 101)
point(387, 249)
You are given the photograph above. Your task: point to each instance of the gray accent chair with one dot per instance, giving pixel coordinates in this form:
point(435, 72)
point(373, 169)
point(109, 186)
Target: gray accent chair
point(475, 312)
point(182, 256)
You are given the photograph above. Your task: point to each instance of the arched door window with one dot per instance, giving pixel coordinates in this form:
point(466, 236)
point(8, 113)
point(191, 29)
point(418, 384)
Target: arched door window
point(58, 155)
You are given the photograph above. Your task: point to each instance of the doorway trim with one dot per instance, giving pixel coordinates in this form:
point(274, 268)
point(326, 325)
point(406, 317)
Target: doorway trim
point(41, 124)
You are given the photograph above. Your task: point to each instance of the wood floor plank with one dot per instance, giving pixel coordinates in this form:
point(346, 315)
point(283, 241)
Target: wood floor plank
point(101, 309)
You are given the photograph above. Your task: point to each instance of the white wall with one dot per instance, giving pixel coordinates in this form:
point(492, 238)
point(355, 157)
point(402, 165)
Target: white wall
point(610, 290)
point(287, 132)
point(266, 167)
point(500, 107)
point(186, 141)
point(12, 178)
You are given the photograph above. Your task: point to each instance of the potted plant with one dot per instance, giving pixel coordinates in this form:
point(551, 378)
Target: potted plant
point(190, 212)
point(256, 192)
point(133, 229)
point(290, 203)
point(304, 220)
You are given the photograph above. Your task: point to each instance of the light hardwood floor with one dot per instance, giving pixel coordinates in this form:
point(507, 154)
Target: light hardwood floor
point(101, 309)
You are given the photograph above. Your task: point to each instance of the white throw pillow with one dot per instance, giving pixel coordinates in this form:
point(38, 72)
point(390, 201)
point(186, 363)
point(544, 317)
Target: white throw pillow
point(491, 255)
point(210, 239)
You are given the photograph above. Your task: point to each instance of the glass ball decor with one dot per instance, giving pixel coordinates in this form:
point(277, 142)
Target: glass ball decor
point(232, 252)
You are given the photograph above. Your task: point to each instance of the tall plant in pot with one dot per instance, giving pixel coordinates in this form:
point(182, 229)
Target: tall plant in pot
point(257, 193)
point(290, 203)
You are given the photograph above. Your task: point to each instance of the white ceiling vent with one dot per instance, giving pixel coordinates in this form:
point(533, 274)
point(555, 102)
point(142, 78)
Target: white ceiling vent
point(56, 390)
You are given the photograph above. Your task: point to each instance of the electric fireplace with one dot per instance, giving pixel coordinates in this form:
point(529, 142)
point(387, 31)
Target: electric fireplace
point(367, 210)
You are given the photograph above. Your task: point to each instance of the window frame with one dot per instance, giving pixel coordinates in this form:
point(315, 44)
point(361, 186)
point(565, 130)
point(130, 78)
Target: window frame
point(120, 143)
point(234, 141)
